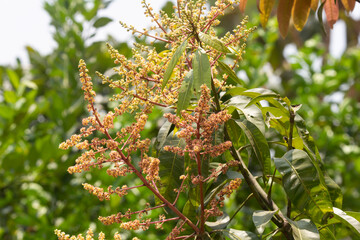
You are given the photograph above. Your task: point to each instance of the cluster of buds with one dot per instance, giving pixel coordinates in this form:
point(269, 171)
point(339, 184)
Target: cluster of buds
point(139, 88)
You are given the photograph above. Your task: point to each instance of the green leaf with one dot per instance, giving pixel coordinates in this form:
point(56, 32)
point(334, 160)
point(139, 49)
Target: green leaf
point(221, 222)
point(186, 91)
point(13, 77)
point(102, 22)
point(235, 133)
point(234, 234)
point(326, 234)
point(267, 97)
point(232, 75)
point(163, 133)
point(334, 190)
point(304, 229)
point(252, 113)
point(258, 143)
point(302, 184)
point(202, 70)
point(173, 61)
point(10, 96)
point(261, 218)
point(213, 42)
point(171, 167)
point(348, 221)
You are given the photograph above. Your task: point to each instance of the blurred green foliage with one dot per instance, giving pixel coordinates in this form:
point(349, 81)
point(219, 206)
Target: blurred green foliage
point(41, 105)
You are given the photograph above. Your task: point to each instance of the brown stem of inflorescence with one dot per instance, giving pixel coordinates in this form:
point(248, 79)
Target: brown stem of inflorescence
point(179, 190)
point(140, 176)
point(152, 36)
point(207, 26)
point(159, 25)
point(198, 161)
point(162, 221)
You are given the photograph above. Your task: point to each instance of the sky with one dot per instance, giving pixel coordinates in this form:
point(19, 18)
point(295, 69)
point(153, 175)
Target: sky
point(29, 25)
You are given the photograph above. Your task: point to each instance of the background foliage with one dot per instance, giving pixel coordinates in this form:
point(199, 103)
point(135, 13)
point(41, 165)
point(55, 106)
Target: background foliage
point(41, 104)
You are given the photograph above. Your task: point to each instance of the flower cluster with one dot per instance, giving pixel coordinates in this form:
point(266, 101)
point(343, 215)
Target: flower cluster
point(139, 88)
point(199, 139)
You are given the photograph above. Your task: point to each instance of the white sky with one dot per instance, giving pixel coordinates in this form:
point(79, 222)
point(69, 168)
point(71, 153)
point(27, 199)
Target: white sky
point(24, 22)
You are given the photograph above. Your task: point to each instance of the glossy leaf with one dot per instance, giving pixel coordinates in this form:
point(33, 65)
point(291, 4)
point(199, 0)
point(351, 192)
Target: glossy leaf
point(261, 218)
point(102, 22)
point(171, 167)
point(283, 15)
point(300, 13)
point(213, 42)
point(304, 229)
point(163, 133)
point(252, 113)
point(265, 7)
point(234, 234)
point(266, 97)
point(201, 70)
point(348, 221)
point(331, 8)
point(258, 143)
point(242, 5)
point(174, 60)
point(221, 222)
point(349, 5)
point(186, 91)
point(302, 183)
point(231, 74)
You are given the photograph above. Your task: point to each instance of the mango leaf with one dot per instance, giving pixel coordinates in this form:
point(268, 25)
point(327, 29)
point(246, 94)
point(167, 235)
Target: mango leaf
point(213, 42)
point(13, 77)
point(242, 5)
point(163, 133)
point(300, 13)
point(326, 234)
point(349, 5)
point(331, 8)
point(102, 22)
point(234, 234)
point(266, 97)
point(186, 91)
point(304, 229)
point(232, 75)
point(174, 60)
point(265, 7)
point(314, 4)
point(334, 190)
point(348, 221)
point(320, 18)
point(261, 218)
point(171, 167)
point(235, 91)
point(221, 222)
point(10, 96)
point(252, 113)
point(234, 132)
point(258, 143)
point(201, 70)
point(303, 185)
point(283, 15)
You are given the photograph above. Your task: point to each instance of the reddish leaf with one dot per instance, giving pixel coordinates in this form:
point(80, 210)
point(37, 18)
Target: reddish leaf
point(300, 13)
point(242, 5)
point(314, 4)
point(332, 11)
point(283, 15)
point(348, 4)
point(265, 10)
